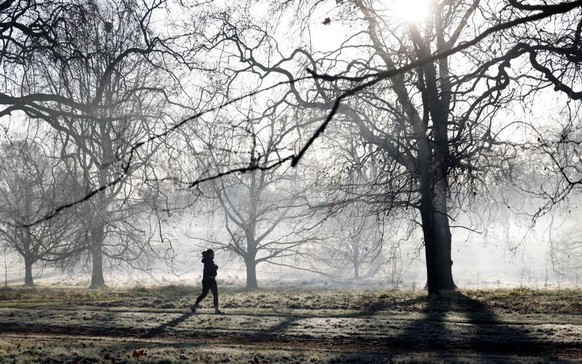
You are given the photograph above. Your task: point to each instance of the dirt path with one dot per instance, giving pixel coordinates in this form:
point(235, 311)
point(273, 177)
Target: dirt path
point(321, 336)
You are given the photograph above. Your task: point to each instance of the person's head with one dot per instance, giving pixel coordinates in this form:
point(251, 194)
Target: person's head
point(208, 253)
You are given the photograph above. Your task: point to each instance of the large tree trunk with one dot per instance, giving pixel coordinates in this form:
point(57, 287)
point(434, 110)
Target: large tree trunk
point(251, 266)
point(28, 280)
point(437, 240)
point(437, 234)
point(434, 187)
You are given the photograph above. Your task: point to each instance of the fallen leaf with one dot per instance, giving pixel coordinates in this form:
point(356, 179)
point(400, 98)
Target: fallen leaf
point(138, 353)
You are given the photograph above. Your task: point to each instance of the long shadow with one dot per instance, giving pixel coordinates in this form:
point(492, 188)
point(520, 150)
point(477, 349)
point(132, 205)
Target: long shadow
point(454, 325)
point(275, 332)
point(279, 332)
point(165, 326)
point(373, 308)
point(402, 306)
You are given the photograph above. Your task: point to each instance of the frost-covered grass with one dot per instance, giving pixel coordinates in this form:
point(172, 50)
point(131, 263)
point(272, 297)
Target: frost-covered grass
point(25, 351)
point(153, 325)
point(180, 297)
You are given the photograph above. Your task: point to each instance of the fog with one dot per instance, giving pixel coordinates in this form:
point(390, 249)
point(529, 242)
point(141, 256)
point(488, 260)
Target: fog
point(482, 260)
point(475, 267)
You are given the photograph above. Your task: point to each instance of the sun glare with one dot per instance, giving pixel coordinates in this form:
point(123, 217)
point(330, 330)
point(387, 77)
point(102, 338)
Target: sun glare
point(410, 10)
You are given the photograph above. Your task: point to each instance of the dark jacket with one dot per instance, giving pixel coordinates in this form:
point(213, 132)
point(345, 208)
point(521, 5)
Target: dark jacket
point(210, 269)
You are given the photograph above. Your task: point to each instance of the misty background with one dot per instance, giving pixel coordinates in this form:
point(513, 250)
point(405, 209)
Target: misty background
point(521, 257)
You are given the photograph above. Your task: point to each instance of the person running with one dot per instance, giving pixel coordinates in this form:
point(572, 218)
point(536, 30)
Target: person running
point(208, 280)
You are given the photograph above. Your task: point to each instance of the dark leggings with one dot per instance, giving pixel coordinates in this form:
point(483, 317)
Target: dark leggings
point(208, 284)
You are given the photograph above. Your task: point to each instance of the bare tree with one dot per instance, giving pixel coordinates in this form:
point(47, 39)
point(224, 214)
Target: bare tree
point(352, 243)
point(266, 212)
point(105, 87)
point(353, 231)
point(566, 252)
point(31, 185)
point(426, 95)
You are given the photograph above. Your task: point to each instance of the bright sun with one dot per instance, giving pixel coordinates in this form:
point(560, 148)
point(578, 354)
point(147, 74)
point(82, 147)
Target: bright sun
point(410, 10)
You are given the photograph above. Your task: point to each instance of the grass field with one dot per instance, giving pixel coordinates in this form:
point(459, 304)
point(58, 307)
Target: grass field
point(139, 325)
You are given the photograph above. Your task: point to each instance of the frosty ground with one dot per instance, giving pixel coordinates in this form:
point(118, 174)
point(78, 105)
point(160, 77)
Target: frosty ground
point(289, 326)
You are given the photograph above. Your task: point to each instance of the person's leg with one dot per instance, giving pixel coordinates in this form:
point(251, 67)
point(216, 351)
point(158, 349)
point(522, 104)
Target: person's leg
point(205, 289)
point(214, 289)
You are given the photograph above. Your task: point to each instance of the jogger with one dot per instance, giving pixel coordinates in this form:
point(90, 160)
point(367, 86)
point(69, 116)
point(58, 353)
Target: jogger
point(208, 280)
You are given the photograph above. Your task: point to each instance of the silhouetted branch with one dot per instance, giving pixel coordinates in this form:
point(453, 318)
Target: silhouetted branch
point(371, 80)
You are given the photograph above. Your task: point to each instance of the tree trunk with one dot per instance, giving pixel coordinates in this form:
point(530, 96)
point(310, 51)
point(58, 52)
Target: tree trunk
point(251, 265)
point(98, 233)
point(433, 159)
point(437, 238)
point(97, 279)
point(356, 257)
point(28, 280)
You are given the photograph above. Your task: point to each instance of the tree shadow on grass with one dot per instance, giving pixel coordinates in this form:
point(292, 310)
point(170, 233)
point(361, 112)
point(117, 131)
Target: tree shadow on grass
point(163, 328)
point(409, 305)
point(283, 326)
point(455, 323)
